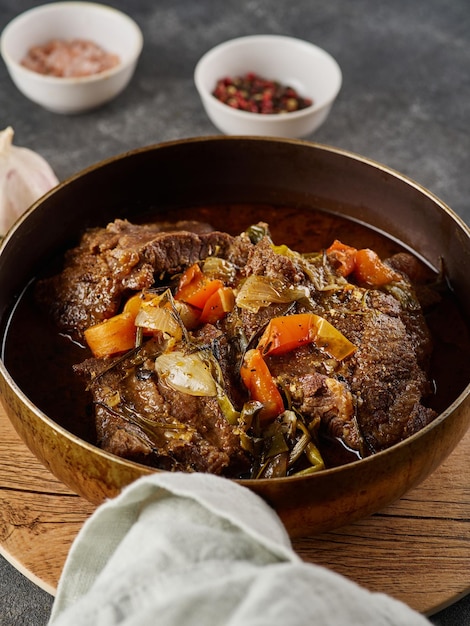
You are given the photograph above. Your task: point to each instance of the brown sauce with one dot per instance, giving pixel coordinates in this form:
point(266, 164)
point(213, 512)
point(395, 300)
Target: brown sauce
point(40, 359)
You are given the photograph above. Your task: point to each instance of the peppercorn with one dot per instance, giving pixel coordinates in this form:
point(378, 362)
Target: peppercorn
point(255, 94)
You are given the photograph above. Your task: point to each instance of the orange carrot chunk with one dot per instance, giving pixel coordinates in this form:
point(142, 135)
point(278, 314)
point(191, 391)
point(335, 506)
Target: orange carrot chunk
point(343, 256)
point(217, 305)
point(259, 382)
point(370, 271)
point(113, 336)
point(195, 288)
point(287, 333)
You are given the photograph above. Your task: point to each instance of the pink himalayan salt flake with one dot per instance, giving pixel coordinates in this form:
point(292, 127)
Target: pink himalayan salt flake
point(66, 59)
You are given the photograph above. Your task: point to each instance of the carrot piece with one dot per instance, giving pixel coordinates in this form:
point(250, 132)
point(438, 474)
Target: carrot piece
point(118, 333)
point(370, 271)
point(192, 275)
point(343, 256)
point(287, 333)
point(113, 336)
point(217, 305)
point(134, 303)
point(365, 264)
point(195, 288)
point(259, 382)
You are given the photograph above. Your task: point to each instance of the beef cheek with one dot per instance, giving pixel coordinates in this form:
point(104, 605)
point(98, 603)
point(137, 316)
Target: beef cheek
point(110, 263)
point(140, 418)
point(369, 401)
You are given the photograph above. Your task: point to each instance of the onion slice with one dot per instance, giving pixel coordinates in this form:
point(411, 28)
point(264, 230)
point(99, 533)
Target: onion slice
point(187, 373)
point(261, 291)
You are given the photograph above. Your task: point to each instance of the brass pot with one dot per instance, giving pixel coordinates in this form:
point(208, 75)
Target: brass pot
point(235, 170)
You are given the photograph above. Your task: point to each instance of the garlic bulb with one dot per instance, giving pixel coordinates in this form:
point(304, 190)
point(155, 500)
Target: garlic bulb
point(24, 177)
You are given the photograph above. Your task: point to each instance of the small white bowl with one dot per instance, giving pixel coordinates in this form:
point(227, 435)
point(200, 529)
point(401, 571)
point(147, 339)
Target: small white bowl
point(114, 31)
point(311, 71)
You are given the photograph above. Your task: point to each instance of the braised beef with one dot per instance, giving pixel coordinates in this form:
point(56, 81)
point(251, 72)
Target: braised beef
point(367, 402)
point(122, 258)
point(140, 418)
point(384, 374)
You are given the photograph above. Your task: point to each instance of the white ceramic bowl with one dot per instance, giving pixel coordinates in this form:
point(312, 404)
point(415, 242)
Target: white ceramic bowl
point(114, 31)
point(311, 71)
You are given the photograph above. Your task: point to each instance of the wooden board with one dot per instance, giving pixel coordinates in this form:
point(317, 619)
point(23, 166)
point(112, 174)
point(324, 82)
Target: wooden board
point(416, 550)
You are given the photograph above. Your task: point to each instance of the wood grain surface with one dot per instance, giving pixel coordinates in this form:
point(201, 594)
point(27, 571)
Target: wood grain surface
point(416, 550)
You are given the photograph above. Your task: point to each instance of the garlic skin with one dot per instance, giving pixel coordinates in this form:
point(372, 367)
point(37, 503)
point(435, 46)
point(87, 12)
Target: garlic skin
point(24, 177)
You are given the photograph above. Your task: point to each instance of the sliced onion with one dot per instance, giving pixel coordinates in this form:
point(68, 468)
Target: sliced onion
point(152, 315)
point(189, 315)
point(186, 373)
point(215, 267)
point(332, 340)
point(260, 291)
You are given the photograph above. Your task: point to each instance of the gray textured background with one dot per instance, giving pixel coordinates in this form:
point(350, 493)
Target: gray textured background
point(405, 102)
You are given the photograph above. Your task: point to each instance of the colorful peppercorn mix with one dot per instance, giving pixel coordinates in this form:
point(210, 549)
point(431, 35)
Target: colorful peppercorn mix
point(255, 94)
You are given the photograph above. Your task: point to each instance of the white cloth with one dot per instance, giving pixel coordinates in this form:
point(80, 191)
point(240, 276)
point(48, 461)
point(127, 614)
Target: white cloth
point(194, 549)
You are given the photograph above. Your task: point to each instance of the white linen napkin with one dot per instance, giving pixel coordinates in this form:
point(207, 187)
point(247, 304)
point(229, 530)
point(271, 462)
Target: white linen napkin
point(179, 549)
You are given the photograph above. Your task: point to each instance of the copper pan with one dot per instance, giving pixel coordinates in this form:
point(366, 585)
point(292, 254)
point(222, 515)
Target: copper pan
point(218, 170)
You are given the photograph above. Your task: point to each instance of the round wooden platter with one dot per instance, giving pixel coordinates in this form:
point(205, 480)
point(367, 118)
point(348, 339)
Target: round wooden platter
point(416, 550)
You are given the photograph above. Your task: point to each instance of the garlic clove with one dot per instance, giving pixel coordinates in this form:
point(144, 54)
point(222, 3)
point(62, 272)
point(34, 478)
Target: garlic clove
point(25, 176)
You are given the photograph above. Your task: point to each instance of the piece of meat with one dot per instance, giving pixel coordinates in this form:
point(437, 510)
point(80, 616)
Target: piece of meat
point(264, 261)
point(140, 418)
point(384, 373)
point(317, 396)
point(111, 263)
point(369, 401)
